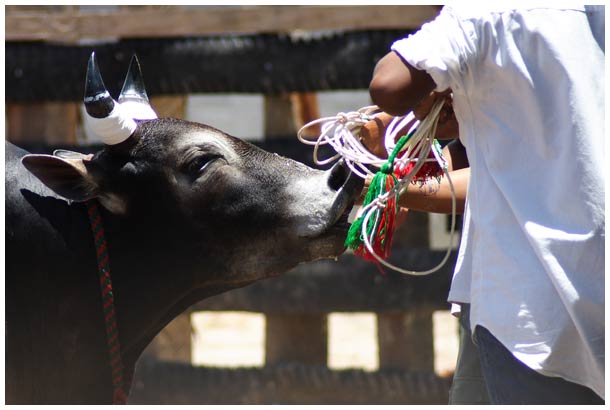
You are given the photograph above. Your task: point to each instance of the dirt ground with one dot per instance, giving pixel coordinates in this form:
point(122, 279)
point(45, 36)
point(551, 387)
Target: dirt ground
point(234, 339)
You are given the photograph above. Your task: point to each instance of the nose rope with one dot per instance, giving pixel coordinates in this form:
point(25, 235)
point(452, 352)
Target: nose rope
point(415, 158)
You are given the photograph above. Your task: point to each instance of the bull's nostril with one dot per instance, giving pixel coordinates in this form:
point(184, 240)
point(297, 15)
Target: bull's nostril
point(338, 176)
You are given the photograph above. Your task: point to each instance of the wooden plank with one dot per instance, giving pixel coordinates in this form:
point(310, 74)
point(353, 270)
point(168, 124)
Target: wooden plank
point(72, 26)
point(45, 122)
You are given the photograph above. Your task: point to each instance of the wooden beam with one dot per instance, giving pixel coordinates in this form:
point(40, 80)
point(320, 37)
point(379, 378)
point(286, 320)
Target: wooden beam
point(144, 22)
point(350, 285)
point(176, 383)
point(296, 338)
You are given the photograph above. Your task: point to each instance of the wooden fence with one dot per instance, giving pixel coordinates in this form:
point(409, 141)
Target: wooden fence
point(296, 305)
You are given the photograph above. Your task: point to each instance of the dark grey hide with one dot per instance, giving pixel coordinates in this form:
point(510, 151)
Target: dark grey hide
point(189, 212)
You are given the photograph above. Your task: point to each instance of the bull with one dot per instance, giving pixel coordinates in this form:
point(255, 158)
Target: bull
point(188, 212)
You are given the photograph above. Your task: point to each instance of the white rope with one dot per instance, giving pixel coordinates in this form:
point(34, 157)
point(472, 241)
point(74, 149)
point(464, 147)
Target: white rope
point(341, 133)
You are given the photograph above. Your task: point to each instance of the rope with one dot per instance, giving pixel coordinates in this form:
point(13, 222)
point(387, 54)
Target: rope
point(409, 158)
point(119, 395)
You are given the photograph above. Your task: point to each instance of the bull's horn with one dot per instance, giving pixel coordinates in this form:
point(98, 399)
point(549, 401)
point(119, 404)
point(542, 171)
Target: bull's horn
point(133, 94)
point(105, 117)
point(98, 102)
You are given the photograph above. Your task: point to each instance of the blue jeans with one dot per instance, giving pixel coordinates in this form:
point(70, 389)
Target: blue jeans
point(511, 382)
point(468, 386)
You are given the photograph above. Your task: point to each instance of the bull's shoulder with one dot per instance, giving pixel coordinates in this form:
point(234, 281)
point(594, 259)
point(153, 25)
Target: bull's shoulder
point(16, 176)
point(13, 152)
point(12, 163)
point(33, 212)
point(18, 179)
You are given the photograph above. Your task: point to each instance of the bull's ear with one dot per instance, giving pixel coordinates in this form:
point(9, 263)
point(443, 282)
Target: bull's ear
point(64, 153)
point(67, 177)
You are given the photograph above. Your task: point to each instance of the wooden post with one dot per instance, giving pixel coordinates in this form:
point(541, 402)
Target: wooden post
point(406, 340)
point(173, 343)
point(293, 337)
point(414, 232)
point(173, 106)
point(48, 122)
point(286, 113)
point(296, 338)
point(279, 119)
point(305, 109)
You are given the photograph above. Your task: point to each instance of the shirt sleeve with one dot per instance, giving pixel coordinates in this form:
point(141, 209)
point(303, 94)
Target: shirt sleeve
point(441, 47)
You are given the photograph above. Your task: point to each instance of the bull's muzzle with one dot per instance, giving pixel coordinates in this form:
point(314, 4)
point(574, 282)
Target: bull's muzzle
point(348, 186)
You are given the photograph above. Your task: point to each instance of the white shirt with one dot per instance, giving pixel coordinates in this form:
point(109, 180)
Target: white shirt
point(528, 90)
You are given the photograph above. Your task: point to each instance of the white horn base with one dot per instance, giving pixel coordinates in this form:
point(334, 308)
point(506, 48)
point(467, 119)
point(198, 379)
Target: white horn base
point(113, 129)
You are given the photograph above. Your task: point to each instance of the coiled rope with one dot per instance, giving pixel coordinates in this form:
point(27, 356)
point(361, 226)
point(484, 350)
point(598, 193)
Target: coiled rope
point(409, 161)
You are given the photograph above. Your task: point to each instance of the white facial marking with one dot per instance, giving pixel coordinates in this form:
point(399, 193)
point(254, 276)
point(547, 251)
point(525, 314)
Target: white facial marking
point(310, 204)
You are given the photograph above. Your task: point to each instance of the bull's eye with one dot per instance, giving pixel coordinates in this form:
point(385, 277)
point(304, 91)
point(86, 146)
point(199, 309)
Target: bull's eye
point(198, 165)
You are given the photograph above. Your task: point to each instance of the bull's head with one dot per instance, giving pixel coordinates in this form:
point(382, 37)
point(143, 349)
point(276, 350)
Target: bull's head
point(214, 200)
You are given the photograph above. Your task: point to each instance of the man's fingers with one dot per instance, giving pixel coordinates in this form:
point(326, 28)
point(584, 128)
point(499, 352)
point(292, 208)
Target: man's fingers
point(423, 108)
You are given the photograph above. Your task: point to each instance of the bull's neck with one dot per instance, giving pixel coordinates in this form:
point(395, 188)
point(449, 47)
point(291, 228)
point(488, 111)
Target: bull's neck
point(153, 279)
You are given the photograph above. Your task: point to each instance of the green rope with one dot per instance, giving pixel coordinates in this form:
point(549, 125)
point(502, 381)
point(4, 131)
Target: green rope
point(354, 236)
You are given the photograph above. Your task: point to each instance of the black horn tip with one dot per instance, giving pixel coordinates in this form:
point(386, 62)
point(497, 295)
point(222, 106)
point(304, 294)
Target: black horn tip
point(98, 101)
point(133, 87)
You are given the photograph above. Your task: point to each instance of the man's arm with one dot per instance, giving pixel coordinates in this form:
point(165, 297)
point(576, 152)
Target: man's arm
point(436, 197)
point(397, 87)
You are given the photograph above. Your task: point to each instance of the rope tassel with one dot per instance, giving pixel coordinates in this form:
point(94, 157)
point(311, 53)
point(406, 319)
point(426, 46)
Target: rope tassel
point(381, 197)
point(381, 225)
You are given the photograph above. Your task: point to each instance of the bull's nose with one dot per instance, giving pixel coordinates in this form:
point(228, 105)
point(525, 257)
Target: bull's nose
point(337, 176)
point(341, 178)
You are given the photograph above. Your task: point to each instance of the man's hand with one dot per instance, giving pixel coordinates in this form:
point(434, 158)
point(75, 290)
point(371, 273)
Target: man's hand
point(372, 134)
point(447, 127)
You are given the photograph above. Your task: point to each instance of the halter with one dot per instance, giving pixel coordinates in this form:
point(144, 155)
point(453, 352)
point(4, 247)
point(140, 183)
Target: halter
point(119, 395)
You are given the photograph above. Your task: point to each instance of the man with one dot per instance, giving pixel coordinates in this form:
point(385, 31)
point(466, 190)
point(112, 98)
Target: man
point(528, 94)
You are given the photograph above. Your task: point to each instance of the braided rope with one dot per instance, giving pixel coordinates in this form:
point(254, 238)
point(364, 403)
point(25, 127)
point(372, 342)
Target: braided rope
point(119, 395)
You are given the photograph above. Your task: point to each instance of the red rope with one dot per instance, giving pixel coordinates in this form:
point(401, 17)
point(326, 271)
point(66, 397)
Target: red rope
point(119, 396)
